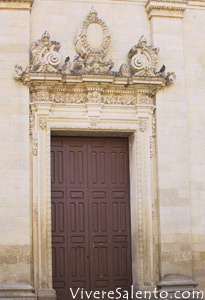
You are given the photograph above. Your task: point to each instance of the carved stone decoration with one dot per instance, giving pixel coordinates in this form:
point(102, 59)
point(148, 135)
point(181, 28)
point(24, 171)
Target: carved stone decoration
point(170, 78)
point(67, 98)
point(43, 123)
point(151, 146)
point(94, 97)
point(142, 125)
point(42, 96)
point(45, 56)
point(120, 100)
point(35, 143)
point(92, 60)
point(144, 99)
point(154, 127)
point(35, 212)
point(143, 58)
point(31, 121)
point(94, 122)
point(18, 73)
point(125, 70)
point(143, 62)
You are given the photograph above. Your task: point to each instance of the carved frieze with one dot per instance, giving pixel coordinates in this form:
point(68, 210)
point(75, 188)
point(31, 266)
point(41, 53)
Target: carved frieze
point(144, 99)
point(120, 100)
point(94, 97)
point(67, 98)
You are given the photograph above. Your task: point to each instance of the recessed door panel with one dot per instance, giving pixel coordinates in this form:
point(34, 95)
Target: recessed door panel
point(90, 215)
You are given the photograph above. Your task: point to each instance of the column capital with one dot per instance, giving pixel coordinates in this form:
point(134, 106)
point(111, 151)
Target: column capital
point(16, 4)
point(166, 8)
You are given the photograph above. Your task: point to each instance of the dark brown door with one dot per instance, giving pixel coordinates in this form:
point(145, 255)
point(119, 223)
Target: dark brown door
point(90, 215)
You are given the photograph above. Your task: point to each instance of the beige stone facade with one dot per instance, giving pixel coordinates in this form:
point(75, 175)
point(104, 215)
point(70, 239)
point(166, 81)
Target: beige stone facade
point(122, 93)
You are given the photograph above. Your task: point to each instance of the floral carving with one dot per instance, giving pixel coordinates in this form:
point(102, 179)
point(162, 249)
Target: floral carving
point(151, 146)
point(94, 97)
point(68, 98)
point(31, 121)
point(142, 125)
point(144, 99)
point(35, 143)
point(154, 127)
point(92, 60)
point(45, 56)
point(122, 100)
point(42, 96)
point(43, 123)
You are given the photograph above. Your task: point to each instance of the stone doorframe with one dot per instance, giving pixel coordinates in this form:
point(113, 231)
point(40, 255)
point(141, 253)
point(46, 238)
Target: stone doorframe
point(84, 106)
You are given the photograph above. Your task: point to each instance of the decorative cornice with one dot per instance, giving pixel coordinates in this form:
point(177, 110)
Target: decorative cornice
point(166, 8)
point(16, 4)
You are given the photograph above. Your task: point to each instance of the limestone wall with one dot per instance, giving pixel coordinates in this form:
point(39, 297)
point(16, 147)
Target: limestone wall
point(180, 117)
point(194, 58)
point(14, 150)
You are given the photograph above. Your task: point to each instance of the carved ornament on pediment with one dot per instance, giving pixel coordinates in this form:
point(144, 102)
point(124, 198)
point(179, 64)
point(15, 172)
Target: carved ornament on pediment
point(89, 59)
point(45, 55)
point(142, 60)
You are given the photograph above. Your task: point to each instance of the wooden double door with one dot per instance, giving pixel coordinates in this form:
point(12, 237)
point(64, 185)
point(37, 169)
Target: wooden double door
point(91, 245)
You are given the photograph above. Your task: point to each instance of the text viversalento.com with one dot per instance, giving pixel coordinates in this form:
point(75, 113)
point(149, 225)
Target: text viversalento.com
point(119, 293)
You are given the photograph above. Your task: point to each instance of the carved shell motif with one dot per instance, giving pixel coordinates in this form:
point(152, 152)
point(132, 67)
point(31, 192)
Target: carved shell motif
point(45, 56)
point(143, 58)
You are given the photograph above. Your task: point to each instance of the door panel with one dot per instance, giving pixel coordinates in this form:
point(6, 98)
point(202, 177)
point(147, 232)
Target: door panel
point(90, 215)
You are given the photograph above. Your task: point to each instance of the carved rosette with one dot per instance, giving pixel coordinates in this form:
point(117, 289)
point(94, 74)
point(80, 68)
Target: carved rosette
point(91, 60)
point(94, 122)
